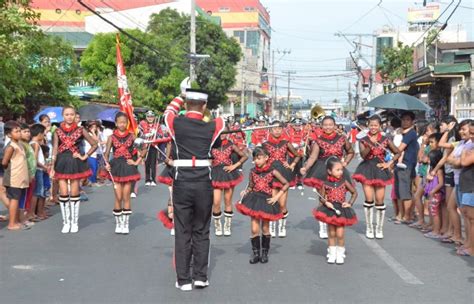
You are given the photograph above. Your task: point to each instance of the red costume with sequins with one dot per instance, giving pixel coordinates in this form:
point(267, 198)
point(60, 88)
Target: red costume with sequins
point(254, 203)
point(297, 137)
point(367, 173)
point(259, 136)
point(278, 151)
point(221, 157)
point(329, 146)
point(123, 150)
point(335, 192)
point(69, 142)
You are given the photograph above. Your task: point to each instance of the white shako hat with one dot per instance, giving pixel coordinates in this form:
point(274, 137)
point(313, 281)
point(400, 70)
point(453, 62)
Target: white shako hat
point(196, 95)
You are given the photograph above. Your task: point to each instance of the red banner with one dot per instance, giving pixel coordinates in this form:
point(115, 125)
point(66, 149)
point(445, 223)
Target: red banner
point(125, 97)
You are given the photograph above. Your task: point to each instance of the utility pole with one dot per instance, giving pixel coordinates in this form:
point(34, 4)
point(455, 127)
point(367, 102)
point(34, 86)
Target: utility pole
point(357, 49)
point(288, 98)
point(242, 91)
point(349, 99)
point(360, 78)
point(192, 73)
point(272, 112)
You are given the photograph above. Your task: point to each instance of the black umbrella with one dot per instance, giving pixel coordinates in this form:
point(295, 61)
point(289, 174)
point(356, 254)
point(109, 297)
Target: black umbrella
point(91, 111)
point(398, 101)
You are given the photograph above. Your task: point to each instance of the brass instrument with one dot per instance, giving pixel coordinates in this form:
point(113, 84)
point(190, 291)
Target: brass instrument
point(317, 112)
point(207, 116)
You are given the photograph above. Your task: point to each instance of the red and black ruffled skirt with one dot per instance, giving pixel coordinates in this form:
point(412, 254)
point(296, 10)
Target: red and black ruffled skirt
point(68, 167)
point(225, 180)
point(166, 176)
point(317, 174)
point(165, 219)
point(323, 214)
point(286, 173)
point(255, 205)
point(367, 173)
point(123, 172)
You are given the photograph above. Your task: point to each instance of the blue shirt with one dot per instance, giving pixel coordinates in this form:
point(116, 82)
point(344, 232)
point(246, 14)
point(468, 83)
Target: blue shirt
point(411, 151)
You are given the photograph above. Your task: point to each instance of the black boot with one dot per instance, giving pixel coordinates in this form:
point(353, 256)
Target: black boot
point(265, 248)
point(255, 258)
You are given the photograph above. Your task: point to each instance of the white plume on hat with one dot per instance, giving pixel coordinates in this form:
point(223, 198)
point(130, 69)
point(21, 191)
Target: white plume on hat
point(185, 84)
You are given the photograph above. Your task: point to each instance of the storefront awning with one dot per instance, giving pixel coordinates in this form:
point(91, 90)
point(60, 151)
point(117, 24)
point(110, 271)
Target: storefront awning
point(453, 68)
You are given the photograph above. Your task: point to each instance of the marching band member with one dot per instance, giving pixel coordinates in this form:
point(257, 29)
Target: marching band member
point(259, 135)
point(328, 144)
point(192, 187)
point(149, 129)
point(225, 176)
point(374, 174)
point(70, 167)
point(297, 137)
point(260, 202)
point(123, 169)
point(166, 178)
point(279, 148)
point(333, 197)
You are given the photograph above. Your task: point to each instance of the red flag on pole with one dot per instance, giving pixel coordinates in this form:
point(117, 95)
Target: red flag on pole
point(125, 97)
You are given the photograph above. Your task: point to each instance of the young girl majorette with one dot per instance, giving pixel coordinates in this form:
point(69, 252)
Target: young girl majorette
point(70, 167)
point(328, 144)
point(166, 178)
point(258, 203)
point(279, 148)
point(374, 174)
point(225, 177)
point(334, 191)
point(123, 169)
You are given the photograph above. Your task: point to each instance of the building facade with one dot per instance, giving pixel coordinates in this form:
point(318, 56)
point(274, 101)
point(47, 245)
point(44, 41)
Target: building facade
point(248, 21)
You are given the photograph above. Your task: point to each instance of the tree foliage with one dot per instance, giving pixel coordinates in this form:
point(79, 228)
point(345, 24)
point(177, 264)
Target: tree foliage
point(154, 77)
point(36, 68)
point(397, 63)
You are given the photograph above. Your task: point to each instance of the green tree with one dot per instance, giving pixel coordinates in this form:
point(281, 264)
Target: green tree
point(154, 77)
point(397, 63)
point(36, 68)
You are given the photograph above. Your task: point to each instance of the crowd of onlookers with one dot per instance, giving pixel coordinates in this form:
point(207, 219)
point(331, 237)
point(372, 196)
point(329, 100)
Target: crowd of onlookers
point(26, 189)
point(439, 157)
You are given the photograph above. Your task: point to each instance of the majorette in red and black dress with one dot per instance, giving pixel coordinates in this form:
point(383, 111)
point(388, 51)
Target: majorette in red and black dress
point(166, 175)
point(259, 136)
point(69, 142)
point(330, 145)
point(221, 157)
point(122, 146)
point(297, 137)
point(254, 203)
point(278, 149)
point(335, 192)
point(367, 173)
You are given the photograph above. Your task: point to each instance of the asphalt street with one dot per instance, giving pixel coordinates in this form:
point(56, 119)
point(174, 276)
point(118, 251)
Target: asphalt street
point(97, 266)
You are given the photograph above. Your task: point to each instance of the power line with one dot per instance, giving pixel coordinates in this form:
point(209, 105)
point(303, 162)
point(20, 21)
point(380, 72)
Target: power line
point(362, 17)
point(119, 28)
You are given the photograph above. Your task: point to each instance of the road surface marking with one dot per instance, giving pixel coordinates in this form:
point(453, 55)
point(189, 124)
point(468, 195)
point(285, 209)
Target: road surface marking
point(398, 268)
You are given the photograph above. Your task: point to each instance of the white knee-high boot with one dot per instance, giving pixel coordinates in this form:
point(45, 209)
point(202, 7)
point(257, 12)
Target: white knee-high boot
point(217, 223)
point(228, 222)
point(380, 217)
point(66, 213)
point(118, 220)
point(323, 230)
point(126, 218)
point(75, 204)
point(369, 216)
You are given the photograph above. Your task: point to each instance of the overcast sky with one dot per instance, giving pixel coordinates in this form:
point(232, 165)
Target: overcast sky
point(307, 27)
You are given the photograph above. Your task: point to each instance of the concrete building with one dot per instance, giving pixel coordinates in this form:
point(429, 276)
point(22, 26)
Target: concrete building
point(248, 21)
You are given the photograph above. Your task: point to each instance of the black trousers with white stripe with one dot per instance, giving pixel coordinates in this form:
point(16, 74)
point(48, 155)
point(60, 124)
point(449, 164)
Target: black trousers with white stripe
point(192, 203)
